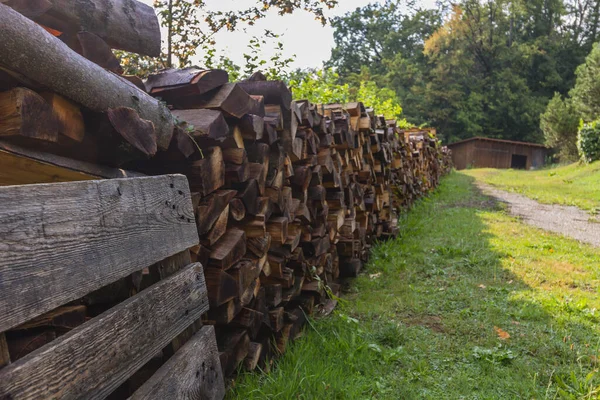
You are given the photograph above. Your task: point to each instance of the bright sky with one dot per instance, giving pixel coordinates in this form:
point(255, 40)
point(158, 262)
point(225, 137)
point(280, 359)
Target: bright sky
point(302, 35)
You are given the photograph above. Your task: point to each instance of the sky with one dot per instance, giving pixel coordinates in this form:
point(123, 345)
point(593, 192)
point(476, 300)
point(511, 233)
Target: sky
point(302, 36)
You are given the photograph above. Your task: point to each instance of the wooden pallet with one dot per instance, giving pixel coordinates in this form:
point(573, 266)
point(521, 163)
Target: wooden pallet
point(66, 248)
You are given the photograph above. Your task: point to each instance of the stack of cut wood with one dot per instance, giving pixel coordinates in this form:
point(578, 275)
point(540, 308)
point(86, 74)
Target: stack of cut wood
point(288, 195)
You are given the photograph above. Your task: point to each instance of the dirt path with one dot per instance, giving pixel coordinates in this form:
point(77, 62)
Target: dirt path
point(568, 221)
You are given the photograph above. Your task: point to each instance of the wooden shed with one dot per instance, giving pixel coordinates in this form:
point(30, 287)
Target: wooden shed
point(480, 152)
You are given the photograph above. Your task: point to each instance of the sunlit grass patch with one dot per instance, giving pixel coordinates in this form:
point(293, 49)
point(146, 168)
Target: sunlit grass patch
point(574, 184)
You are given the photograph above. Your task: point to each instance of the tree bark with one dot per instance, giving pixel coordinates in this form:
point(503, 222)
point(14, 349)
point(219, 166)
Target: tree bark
point(28, 48)
point(124, 24)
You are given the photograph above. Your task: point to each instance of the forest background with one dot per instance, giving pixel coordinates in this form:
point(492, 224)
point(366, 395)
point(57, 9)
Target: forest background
point(526, 70)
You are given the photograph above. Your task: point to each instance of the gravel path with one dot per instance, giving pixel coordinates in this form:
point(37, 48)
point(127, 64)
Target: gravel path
point(566, 220)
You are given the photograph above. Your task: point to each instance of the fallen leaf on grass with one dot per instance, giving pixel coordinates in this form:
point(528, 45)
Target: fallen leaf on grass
point(502, 334)
point(482, 286)
point(375, 276)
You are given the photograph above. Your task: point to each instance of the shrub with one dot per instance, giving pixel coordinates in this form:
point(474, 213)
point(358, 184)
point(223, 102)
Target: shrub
point(588, 141)
point(559, 124)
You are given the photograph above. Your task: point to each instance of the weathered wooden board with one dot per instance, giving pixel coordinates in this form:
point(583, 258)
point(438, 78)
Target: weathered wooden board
point(4, 356)
point(193, 373)
point(60, 241)
point(94, 359)
point(21, 166)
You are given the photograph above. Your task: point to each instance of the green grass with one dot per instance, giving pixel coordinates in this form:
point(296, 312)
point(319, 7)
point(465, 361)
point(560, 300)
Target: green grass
point(575, 184)
point(428, 326)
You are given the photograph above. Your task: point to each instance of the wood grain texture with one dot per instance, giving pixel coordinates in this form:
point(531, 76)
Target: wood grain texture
point(59, 242)
point(24, 113)
point(193, 373)
point(30, 49)
point(4, 356)
point(123, 24)
point(20, 165)
point(95, 358)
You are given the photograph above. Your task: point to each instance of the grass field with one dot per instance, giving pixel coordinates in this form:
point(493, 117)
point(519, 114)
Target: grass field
point(467, 303)
point(575, 184)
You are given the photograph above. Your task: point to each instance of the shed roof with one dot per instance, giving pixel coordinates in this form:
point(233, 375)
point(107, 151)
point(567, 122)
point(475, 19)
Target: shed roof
point(498, 141)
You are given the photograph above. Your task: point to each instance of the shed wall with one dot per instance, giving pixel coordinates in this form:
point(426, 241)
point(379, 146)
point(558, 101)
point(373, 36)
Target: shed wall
point(490, 154)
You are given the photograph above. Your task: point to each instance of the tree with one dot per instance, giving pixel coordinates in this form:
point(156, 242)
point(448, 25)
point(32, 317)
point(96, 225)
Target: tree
point(586, 93)
point(559, 123)
point(322, 86)
point(473, 67)
point(191, 25)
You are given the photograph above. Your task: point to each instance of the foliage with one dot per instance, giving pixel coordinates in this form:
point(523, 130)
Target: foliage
point(470, 67)
point(560, 123)
point(135, 64)
point(586, 93)
point(420, 323)
point(191, 27)
point(322, 86)
point(588, 142)
point(276, 67)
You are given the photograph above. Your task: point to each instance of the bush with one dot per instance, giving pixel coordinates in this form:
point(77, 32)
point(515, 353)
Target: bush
point(559, 124)
point(588, 142)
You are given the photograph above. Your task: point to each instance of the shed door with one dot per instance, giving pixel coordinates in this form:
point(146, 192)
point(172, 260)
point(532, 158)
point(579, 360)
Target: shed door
point(518, 161)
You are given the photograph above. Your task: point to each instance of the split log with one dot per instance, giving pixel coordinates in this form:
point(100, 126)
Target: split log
point(273, 92)
point(235, 156)
point(229, 249)
point(276, 318)
point(218, 229)
point(221, 287)
point(135, 130)
point(203, 124)
point(237, 210)
point(24, 113)
point(259, 106)
point(208, 174)
point(98, 51)
point(252, 127)
point(68, 115)
point(27, 48)
point(230, 98)
point(210, 208)
point(250, 320)
point(225, 313)
point(173, 84)
point(244, 272)
point(255, 351)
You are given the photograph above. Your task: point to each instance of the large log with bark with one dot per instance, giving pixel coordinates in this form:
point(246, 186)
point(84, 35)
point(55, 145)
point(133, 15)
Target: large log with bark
point(127, 25)
point(33, 52)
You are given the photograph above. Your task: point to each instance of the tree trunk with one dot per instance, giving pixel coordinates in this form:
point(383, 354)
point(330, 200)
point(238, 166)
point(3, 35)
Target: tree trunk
point(28, 48)
point(124, 24)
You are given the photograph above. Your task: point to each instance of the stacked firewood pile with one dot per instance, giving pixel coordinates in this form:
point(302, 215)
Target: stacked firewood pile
point(289, 195)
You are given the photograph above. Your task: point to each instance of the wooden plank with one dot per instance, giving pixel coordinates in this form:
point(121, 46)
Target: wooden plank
point(4, 355)
point(58, 242)
point(19, 166)
point(193, 373)
point(94, 359)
